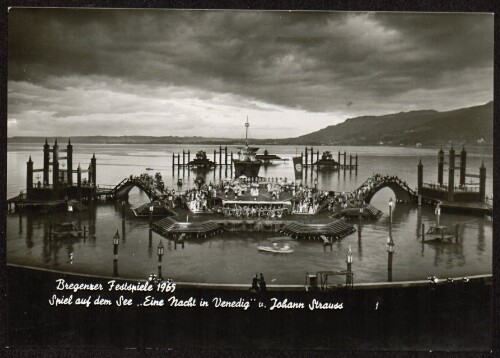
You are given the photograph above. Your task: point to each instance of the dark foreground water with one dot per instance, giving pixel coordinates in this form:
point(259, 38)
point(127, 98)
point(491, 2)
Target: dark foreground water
point(233, 257)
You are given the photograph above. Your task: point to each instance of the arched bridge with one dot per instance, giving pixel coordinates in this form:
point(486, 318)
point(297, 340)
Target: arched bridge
point(127, 184)
point(378, 182)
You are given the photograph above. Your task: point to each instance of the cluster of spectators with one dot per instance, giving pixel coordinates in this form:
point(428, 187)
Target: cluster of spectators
point(153, 184)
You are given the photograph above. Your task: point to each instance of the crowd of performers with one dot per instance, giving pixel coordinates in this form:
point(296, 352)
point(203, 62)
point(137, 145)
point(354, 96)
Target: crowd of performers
point(307, 200)
point(304, 199)
point(255, 211)
point(200, 198)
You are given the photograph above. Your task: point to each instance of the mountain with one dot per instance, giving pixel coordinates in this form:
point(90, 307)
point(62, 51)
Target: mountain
point(473, 125)
point(466, 125)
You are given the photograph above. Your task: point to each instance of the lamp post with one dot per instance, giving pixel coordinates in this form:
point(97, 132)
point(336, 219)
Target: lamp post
point(390, 216)
point(315, 184)
point(438, 214)
point(151, 209)
point(361, 210)
point(116, 241)
point(348, 260)
point(160, 255)
point(391, 203)
point(70, 211)
point(390, 251)
point(123, 209)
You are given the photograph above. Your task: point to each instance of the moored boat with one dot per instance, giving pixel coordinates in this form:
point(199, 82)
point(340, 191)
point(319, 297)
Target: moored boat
point(247, 164)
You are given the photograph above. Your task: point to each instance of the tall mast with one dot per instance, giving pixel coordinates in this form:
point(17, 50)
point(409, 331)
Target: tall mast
point(246, 131)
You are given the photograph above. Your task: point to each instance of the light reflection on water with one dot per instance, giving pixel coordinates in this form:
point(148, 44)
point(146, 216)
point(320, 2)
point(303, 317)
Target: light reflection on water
point(233, 257)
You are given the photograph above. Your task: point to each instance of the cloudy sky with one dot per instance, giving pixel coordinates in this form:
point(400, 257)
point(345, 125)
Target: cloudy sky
point(162, 72)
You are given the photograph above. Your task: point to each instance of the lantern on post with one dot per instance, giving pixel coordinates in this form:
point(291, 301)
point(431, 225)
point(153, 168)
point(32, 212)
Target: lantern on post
point(116, 241)
point(151, 209)
point(390, 251)
point(390, 216)
point(348, 277)
point(349, 258)
point(438, 214)
point(391, 203)
point(361, 210)
point(160, 255)
point(70, 211)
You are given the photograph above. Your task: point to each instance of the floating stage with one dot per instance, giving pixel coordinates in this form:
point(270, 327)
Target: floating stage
point(332, 230)
point(170, 228)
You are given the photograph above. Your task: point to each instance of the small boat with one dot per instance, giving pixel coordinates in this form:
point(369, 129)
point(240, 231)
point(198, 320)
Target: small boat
point(67, 230)
point(285, 249)
point(149, 168)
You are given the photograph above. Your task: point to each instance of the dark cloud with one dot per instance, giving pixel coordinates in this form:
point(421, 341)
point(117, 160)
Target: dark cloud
point(313, 61)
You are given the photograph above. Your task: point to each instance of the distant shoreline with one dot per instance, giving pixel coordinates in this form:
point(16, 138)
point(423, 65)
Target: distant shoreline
point(142, 140)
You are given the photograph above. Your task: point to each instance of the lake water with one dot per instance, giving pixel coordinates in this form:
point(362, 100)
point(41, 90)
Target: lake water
point(233, 257)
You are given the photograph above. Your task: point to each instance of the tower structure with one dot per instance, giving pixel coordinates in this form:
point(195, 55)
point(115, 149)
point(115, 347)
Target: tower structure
point(451, 175)
point(58, 182)
point(29, 177)
point(55, 169)
point(46, 162)
point(420, 178)
point(463, 165)
point(69, 163)
point(440, 166)
point(482, 182)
